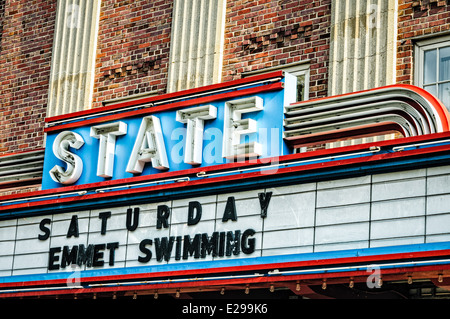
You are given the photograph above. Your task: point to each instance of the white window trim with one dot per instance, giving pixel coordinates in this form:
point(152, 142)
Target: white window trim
point(420, 48)
point(296, 69)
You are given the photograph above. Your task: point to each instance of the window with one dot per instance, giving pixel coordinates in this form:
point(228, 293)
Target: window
point(302, 75)
point(300, 70)
point(433, 68)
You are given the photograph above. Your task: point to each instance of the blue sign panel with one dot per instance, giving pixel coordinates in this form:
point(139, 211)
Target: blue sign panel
point(241, 124)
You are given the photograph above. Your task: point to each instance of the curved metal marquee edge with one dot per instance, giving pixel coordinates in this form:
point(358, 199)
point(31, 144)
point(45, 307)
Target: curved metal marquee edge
point(406, 109)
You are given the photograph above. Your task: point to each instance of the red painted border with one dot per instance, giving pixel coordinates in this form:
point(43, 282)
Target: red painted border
point(223, 179)
point(167, 107)
point(228, 282)
point(168, 96)
point(350, 261)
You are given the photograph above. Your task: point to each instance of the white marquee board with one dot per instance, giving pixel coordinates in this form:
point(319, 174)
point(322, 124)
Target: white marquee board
point(380, 210)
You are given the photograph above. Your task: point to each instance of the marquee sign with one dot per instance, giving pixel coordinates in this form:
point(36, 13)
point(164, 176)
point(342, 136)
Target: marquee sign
point(173, 245)
point(242, 121)
point(306, 229)
point(253, 119)
point(208, 182)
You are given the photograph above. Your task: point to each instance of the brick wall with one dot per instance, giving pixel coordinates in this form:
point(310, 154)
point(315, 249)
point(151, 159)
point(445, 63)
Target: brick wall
point(25, 55)
point(269, 33)
point(133, 48)
point(134, 43)
point(416, 19)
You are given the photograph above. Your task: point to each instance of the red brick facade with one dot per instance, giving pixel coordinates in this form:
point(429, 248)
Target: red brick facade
point(268, 33)
point(134, 45)
point(25, 57)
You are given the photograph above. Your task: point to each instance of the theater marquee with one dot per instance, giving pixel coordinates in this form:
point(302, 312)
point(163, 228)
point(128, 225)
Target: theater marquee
point(234, 124)
point(176, 242)
point(207, 187)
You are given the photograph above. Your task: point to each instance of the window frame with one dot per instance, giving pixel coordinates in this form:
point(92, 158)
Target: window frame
point(297, 69)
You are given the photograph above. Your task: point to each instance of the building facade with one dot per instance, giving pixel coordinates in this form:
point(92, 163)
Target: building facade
point(317, 129)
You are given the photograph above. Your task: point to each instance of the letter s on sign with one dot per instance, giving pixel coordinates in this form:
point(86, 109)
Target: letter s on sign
point(61, 145)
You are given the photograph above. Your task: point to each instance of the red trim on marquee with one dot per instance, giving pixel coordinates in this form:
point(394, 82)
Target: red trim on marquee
point(444, 114)
point(280, 266)
point(169, 96)
point(433, 111)
point(398, 273)
point(166, 107)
